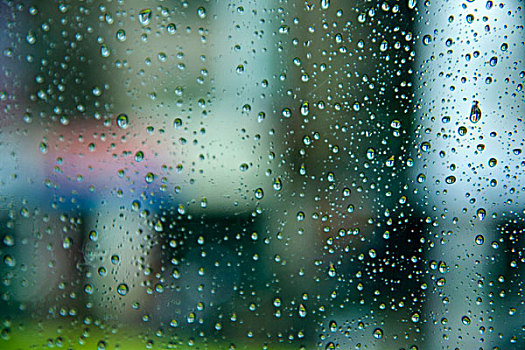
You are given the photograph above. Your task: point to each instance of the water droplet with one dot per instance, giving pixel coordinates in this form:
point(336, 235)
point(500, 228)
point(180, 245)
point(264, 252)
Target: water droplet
point(370, 153)
point(149, 177)
point(384, 46)
point(277, 302)
point(415, 317)
point(302, 310)
point(145, 16)
point(425, 146)
point(305, 109)
point(31, 38)
point(244, 167)
point(480, 239)
point(325, 4)
point(330, 346)
point(43, 147)
point(493, 162)
point(277, 184)
point(333, 326)
point(115, 259)
point(96, 91)
point(139, 156)
point(475, 112)
point(171, 28)
point(465, 320)
point(67, 242)
point(481, 213)
point(201, 12)
point(378, 333)
point(122, 289)
point(121, 35)
point(450, 179)
point(286, 112)
point(104, 51)
point(122, 121)
point(177, 123)
point(331, 270)
point(395, 124)
point(259, 193)
point(462, 131)
point(427, 39)
point(412, 4)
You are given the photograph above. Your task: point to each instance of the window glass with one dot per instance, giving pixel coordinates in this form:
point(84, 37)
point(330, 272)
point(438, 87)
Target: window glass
point(262, 174)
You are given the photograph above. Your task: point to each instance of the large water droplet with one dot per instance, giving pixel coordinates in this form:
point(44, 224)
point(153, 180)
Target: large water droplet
point(302, 310)
point(378, 333)
point(475, 112)
point(122, 289)
point(122, 121)
point(121, 35)
point(145, 16)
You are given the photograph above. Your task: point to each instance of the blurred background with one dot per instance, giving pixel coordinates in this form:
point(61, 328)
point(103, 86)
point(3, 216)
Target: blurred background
point(280, 174)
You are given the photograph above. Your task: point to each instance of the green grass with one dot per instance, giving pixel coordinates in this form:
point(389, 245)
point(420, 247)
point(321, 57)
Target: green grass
point(25, 335)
